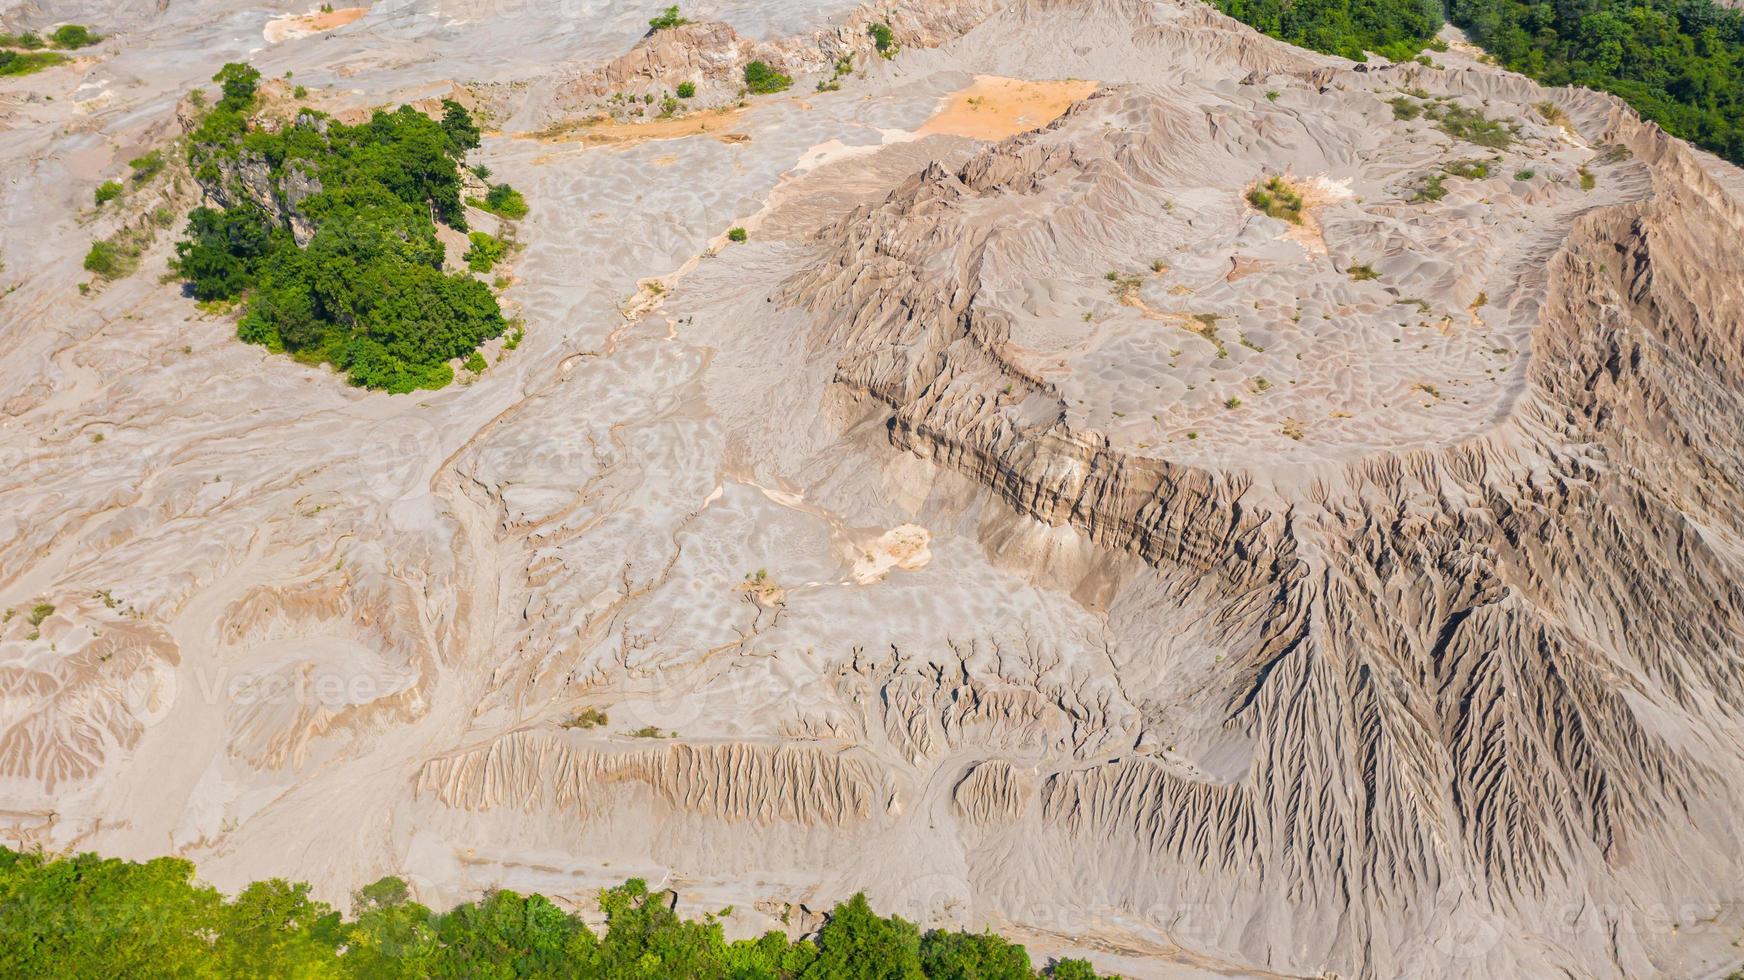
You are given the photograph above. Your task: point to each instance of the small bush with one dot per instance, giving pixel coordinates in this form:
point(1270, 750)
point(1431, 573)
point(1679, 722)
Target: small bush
point(1363, 273)
point(764, 80)
point(1472, 126)
point(1552, 113)
point(1587, 179)
point(668, 19)
point(1272, 95)
point(647, 731)
point(587, 718)
point(1432, 189)
point(737, 235)
point(1469, 169)
point(686, 90)
point(300, 92)
point(883, 39)
point(1404, 108)
point(1276, 198)
point(146, 166)
point(109, 261)
point(74, 36)
point(107, 191)
point(504, 201)
point(475, 363)
point(40, 612)
point(1526, 174)
point(486, 251)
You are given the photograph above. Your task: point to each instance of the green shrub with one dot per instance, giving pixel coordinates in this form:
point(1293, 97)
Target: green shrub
point(504, 201)
point(40, 612)
point(73, 36)
point(486, 252)
point(883, 38)
point(668, 19)
point(1526, 174)
point(109, 260)
point(1469, 169)
point(13, 63)
point(1276, 198)
point(1404, 108)
point(587, 718)
point(686, 90)
point(1432, 189)
point(1587, 179)
point(107, 191)
point(475, 362)
point(737, 234)
point(146, 166)
point(1362, 273)
point(300, 92)
point(764, 80)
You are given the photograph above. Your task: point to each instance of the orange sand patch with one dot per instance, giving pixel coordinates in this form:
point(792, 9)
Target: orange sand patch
point(995, 107)
point(602, 131)
point(302, 25)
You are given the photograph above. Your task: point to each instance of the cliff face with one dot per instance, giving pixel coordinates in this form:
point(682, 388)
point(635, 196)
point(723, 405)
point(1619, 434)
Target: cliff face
point(1484, 686)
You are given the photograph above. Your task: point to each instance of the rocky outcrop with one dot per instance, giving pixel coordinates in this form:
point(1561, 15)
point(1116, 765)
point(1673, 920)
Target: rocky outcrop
point(734, 783)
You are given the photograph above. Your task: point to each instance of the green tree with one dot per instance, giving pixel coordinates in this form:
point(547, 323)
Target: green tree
point(239, 83)
point(856, 944)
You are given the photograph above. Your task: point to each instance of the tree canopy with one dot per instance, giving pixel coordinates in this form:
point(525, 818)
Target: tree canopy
point(88, 916)
point(366, 291)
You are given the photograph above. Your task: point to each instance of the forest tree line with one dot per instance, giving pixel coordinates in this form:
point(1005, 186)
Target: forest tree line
point(88, 916)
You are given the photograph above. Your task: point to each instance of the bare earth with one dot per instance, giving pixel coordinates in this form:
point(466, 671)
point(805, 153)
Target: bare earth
point(1020, 526)
point(993, 108)
point(293, 26)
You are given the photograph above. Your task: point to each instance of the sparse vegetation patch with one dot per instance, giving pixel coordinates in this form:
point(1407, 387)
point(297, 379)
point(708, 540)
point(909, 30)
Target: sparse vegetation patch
point(1276, 198)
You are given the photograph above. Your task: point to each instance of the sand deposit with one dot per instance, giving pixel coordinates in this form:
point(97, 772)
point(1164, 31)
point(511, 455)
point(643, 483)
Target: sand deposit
point(291, 26)
point(1019, 526)
point(993, 107)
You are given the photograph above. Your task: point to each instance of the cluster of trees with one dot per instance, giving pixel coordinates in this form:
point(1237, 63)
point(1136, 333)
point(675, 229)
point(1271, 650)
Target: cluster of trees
point(1679, 63)
point(367, 292)
point(1396, 29)
point(88, 916)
